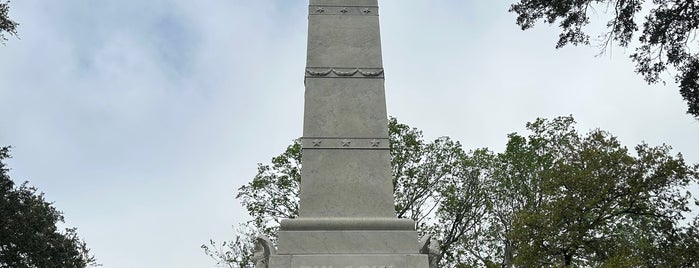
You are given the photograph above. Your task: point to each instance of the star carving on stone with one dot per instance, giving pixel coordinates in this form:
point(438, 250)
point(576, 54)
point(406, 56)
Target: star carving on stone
point(320, 10)
point(346, 143)
point(316, 143)
point(375, 143)
point(366, 11)
point(344, 10)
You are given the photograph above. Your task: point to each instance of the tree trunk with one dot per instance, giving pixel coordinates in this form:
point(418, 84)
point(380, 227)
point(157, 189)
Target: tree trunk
point(568, 259)
point(508, 255)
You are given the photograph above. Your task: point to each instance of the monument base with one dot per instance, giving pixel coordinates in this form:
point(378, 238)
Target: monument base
point(347, 236)
point(350, 261)
point(348, 243)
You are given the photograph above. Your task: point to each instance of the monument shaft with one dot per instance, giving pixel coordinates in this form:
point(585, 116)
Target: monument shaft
point(346, 211)
point(346, 162)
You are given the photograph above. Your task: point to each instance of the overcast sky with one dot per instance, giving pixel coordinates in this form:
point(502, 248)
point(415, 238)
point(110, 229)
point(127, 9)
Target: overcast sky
point(141, 118)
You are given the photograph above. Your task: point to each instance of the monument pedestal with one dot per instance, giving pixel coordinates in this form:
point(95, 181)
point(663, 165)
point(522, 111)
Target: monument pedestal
point(348, 243)
point(347, 236)
point(350, 261)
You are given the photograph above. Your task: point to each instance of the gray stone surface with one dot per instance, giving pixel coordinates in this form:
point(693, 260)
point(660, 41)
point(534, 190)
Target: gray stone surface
point(346, 183)
point(355, 223)
point(346, 211)
point(352, 261)
point(344, 41)
point(344, 2)
point(347, 242)
point(345, 107)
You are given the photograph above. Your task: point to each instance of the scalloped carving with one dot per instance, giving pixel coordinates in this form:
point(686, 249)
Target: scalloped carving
point(370, 73)
point(350, 73)
point(319, 73)
point(315, 71)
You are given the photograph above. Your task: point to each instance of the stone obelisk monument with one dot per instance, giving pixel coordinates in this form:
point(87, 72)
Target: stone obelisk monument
point(346, 212)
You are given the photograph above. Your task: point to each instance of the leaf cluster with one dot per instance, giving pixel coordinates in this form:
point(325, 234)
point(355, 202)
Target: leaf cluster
point(29, 236)
point(273, 194)
point(596, 204)
point(668, 34)
point(6, 24)
point(237, 253)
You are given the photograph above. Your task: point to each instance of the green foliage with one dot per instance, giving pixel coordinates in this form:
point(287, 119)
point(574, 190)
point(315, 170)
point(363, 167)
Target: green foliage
point(463, 205)
point(273, 194)
point(553, 198)
point(29, 237)
point(237, 253)
point(668, 35)
point(432, 184)
point(6, 24)
point(595, 203)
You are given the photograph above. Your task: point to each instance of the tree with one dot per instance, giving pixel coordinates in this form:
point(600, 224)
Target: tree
point(553, 198)
point(6, 24)
point(668, 35)
point(431, 183)
point(595, 204)
point(29, 237)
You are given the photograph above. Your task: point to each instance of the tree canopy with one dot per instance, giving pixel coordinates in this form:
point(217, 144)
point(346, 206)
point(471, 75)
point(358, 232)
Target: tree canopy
point(553, 198)
point(666, 37)
point(29, 237)
point(6, 24)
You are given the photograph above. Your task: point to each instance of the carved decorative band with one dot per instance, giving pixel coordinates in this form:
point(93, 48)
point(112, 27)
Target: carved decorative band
point(344, 72)
point(343, 10)
point(345, 143)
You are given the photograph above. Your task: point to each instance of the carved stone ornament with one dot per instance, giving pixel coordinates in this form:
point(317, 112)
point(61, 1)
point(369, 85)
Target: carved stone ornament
point(430, 246)
point(369, 73)
point(350, 73)
point(343, 72)
point(345, 143)
point(319, 73)
point(315, 10)
point(263, 249)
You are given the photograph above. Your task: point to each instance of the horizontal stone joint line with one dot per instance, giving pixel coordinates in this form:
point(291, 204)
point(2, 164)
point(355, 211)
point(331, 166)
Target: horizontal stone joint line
point(346, 149)
point(327, 5)
point(342, 15)
point(340, 67)
point(340, 77)
point(340, 138)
